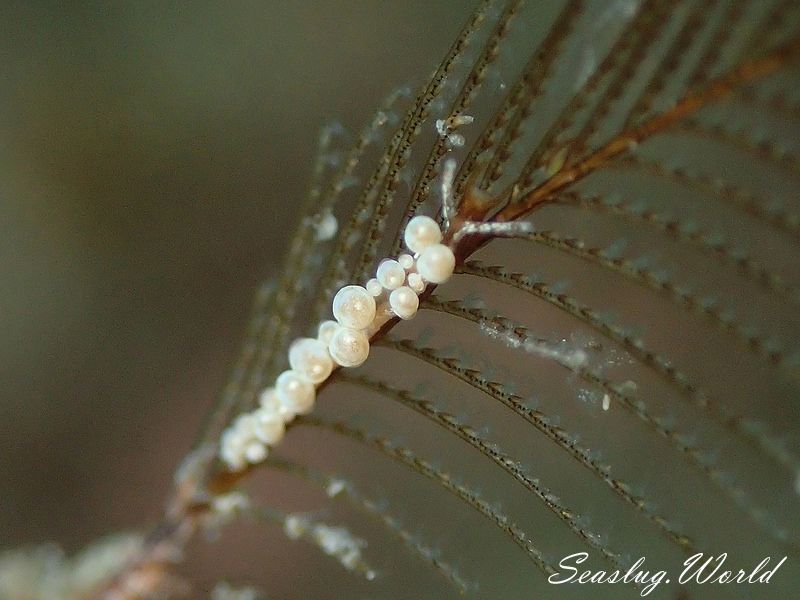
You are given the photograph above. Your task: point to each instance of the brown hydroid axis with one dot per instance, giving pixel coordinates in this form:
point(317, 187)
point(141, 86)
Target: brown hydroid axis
point(691, 103)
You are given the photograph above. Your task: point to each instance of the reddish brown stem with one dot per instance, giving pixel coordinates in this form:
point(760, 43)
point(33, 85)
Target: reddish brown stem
point(629, 139)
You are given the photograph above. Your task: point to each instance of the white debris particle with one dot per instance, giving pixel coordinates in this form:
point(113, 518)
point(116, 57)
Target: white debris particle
point(335, 487)
point(380, 119)
point(456, 140)
point(337, 542)
point(294, 526)
point(446, 128)
point(224, 591)
point(606, 402)
point(325, 226)
point(571, 358)
point(231, 504)
point(459, 120)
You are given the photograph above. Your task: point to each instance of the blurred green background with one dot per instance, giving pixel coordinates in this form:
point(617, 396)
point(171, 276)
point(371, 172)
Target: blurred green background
point(152, 156)
point(153, 159)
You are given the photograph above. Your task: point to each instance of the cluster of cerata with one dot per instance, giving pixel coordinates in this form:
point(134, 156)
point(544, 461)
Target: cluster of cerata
point(344, 342)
